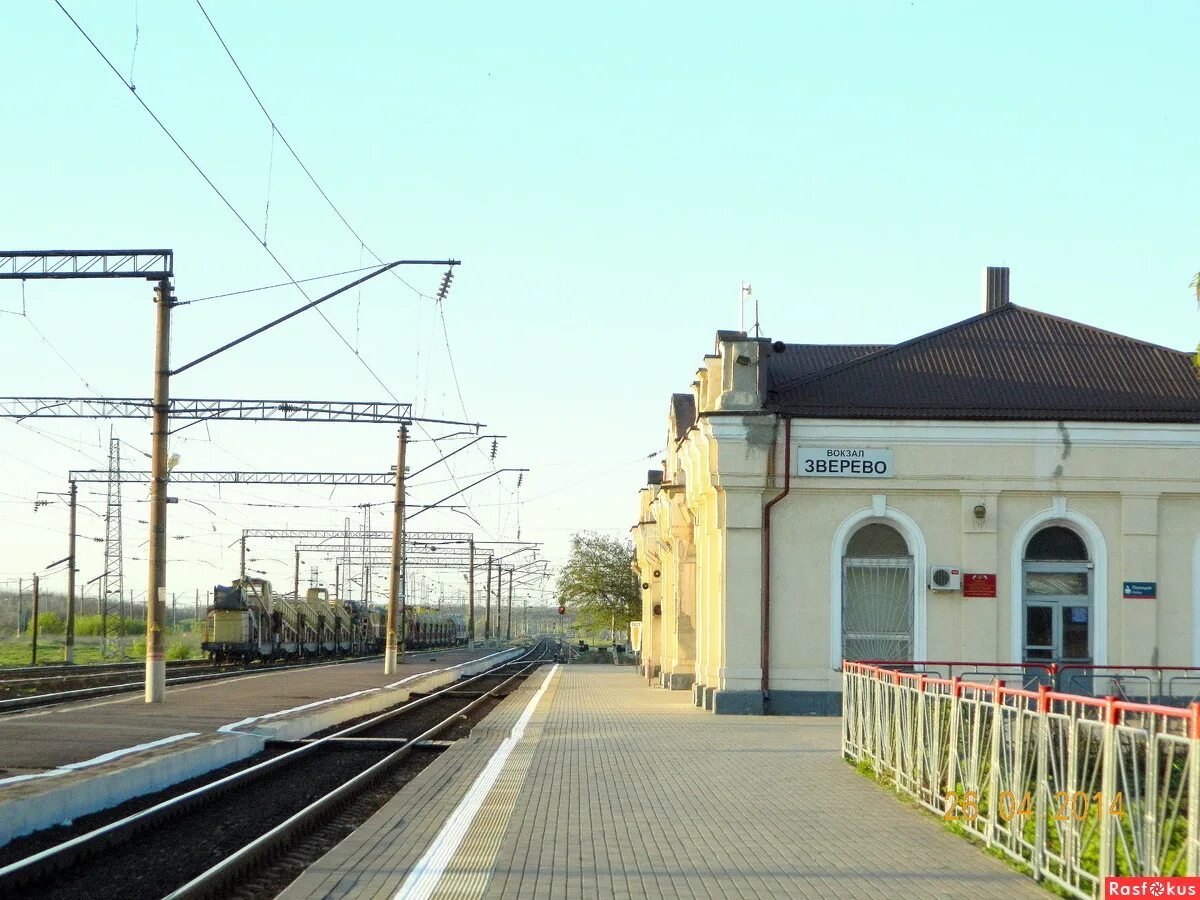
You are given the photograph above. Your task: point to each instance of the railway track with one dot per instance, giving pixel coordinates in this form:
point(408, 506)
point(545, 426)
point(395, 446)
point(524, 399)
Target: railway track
point(18, 694)
point(248, 834)
point(37, 679)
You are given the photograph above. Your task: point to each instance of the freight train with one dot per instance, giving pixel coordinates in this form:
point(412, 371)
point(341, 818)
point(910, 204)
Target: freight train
point(247, 621)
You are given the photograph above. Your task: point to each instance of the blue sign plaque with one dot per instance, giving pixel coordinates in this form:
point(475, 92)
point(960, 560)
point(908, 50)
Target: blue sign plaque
point(1141, 590)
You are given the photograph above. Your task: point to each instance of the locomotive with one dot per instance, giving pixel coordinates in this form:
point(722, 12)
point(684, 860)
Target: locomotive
point(247, 621)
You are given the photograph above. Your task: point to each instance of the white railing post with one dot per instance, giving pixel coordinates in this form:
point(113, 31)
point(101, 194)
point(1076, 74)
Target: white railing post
point(1068, 841)
point(919, 747)
point(847, 707)
point(1108, 789)
point(955, 714)
point(896, 733)
point(1041, 789)
point(1149, 806)
point(994, 763)
point(1193, 823)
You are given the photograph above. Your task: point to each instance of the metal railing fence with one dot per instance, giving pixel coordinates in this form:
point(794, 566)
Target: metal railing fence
point(1075, 787)
point(1165, 685)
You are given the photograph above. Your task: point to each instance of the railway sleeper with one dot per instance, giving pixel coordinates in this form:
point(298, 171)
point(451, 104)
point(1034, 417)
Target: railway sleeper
point(364, 743)
point(464, 695)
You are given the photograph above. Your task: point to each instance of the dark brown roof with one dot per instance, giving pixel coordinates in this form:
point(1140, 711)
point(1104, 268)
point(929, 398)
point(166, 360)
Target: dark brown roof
point(1007, 363)
point(798, 361)
point(683, 414)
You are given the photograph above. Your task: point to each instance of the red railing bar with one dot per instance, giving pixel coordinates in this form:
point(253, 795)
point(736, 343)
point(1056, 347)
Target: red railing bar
point(1043, 695)
point(949, 662)
point(1130, 668)
point(1176, 712)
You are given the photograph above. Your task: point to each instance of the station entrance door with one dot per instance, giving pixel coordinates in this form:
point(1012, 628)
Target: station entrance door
point(1057, 593)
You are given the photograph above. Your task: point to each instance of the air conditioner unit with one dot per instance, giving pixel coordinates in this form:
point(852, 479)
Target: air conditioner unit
point(945, 578)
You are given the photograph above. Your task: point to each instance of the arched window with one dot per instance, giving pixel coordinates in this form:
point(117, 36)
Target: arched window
point(1056, 543)
point(1056, 580)
point(877, 595)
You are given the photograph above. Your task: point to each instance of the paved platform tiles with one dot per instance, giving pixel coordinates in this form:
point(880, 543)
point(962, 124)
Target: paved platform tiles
point(616, 790)
point(43, 739)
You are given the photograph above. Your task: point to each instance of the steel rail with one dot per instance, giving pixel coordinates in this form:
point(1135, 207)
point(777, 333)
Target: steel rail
point(84, 676)
point(212, 882)
point(85, 669)
point(32, 868)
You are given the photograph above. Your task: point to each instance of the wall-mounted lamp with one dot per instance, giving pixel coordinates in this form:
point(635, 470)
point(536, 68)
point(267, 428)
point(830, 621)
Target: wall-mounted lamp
point(657, 573)
point(645, 585)
point(980, 511)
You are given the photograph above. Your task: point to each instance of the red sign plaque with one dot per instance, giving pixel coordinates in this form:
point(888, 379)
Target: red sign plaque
point(979, 585)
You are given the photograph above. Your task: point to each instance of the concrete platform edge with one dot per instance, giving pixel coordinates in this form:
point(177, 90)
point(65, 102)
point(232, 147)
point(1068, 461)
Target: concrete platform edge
point(112, 784)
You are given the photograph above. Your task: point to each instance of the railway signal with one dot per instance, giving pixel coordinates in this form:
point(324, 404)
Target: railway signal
point(562, 610)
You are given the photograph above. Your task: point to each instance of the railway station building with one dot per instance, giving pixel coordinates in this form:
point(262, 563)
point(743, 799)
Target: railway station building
point(1013, 487)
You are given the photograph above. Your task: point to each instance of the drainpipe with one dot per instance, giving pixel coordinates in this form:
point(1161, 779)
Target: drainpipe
point(766, 563)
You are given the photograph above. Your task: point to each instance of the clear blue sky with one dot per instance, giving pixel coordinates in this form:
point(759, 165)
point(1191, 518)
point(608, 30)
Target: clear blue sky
point(607, 175)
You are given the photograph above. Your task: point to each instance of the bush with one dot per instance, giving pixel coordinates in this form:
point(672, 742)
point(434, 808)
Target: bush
point(179, 651)
point(87, 626)
point(138, 650)
point(91, 626)
point(51, 623)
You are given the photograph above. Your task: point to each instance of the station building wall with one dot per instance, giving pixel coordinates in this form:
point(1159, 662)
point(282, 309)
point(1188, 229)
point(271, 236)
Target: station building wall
point(1131, 493)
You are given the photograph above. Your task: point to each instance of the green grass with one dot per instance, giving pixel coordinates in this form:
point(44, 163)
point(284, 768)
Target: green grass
point(14, 652)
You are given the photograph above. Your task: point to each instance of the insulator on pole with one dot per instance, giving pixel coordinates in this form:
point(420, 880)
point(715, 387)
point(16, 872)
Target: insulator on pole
point(445, 288)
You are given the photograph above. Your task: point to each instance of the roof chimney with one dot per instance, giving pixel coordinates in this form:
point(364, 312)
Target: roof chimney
point(995, 287)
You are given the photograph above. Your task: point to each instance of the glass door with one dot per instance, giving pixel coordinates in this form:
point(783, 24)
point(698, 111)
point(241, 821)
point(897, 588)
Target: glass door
point(1041, 638)
point(1058, 612)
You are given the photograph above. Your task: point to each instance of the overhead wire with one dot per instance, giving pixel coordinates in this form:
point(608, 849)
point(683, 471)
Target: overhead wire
point(312, 178)
point(271, 287)
point(287, 143)
point(241, 219)
point(195, 165)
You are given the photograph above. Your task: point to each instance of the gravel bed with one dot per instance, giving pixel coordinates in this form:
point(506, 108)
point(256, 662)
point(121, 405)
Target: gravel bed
point(172, 852)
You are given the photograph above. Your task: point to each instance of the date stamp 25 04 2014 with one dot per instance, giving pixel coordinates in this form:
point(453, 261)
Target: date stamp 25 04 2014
point(1067, 805)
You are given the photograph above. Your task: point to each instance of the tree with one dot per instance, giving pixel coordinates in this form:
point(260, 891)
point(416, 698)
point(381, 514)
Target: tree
point(598, 581)
point(1195, 286)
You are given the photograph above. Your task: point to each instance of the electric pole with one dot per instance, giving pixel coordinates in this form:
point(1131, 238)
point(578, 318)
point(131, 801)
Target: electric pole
point(395, 585)
point(487, 610)
point(471, 594)
point(508, 631)
point(156, 666)
point(34, 623)
point(69, 642)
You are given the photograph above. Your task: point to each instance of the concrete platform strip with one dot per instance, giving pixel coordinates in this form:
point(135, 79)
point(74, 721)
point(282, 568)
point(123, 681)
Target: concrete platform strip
point(620, 792)
point(431, 867)
point(109, 780)
point(100, 760)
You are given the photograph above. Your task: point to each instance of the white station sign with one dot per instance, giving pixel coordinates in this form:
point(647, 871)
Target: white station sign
point(844, 462)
